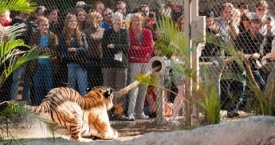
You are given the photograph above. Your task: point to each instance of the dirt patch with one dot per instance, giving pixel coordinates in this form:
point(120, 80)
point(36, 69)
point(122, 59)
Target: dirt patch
point(28, 132)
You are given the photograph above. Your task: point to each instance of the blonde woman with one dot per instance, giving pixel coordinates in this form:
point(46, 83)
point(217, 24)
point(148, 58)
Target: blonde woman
point(94, 36)
point(141, 47)
point(74, 47)
point(81, 19)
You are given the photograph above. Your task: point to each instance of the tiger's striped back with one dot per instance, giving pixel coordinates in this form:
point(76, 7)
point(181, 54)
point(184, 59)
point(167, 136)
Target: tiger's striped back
point(56, 97)
point(83, 116)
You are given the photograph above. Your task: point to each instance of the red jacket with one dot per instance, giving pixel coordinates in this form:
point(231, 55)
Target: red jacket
point(143, 54)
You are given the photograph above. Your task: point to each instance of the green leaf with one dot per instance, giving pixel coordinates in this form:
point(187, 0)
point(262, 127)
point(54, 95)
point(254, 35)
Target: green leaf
point(17, 5)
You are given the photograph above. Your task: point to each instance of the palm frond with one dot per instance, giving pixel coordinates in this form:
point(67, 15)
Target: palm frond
point(15, 30)
point(11, 62)
point(7, 47)
point(17, 5)
point(147, 79)
point(210, 103)
point(171, 38)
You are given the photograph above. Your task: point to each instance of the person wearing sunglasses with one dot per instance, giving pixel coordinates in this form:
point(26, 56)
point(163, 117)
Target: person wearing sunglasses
point(107, 17)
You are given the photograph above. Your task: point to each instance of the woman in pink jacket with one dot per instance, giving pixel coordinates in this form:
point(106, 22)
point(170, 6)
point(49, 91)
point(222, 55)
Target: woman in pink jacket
point(141, 47)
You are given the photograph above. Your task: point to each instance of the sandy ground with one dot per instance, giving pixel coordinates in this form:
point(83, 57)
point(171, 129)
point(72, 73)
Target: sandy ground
point(32, 132)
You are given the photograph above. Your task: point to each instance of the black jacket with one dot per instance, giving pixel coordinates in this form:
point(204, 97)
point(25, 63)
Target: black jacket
point(121, 42)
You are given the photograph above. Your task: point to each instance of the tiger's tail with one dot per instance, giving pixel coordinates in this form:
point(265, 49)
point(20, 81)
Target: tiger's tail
point(38, 109)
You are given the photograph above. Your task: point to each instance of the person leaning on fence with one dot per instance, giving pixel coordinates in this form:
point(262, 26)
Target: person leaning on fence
point(141, 47)
point(115, 46)
point(94, 36)
point(74, 47)
point(220, 31)
point(43, 77)
point(249, 43)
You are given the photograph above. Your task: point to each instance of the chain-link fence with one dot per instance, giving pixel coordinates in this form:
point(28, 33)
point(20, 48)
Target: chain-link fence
point(104, 57)
point(234, 27)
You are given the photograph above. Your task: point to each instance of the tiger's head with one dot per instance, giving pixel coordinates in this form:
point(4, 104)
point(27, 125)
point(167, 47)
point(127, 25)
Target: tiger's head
point(101, 95)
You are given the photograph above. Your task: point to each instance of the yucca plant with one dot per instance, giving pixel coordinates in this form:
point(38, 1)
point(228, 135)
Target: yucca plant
point(171, 41)
point(210, 103)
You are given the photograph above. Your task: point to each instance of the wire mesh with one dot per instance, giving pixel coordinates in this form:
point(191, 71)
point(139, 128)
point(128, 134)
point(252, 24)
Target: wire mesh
point(98, 67)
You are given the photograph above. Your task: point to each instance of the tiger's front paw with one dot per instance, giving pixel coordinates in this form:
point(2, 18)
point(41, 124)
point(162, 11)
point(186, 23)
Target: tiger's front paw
point(83, 139)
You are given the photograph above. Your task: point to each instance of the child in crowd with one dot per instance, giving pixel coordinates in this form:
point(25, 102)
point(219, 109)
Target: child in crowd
point(150, 104)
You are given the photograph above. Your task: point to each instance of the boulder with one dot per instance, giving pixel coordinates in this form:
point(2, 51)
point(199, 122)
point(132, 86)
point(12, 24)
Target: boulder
point(253, 130)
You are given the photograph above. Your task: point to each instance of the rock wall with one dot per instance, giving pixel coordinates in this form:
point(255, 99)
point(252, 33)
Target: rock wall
point(254, 130)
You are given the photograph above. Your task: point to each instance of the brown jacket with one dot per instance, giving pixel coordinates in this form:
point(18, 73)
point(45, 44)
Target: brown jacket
point(94, 39)
point(52, 49)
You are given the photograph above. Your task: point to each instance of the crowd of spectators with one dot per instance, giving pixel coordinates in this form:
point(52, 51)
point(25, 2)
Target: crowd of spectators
point(89, 45)
point(247, 30)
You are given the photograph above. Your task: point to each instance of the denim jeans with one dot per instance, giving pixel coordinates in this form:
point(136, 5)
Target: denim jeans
point(42, 80)
point(147, 110)
point(259, 79)
point(27, 83)
point(239, 93)
point(15, 83)
point(77, 78)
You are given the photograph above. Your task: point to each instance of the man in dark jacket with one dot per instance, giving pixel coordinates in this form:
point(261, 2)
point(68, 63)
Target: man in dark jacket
point(251, 43)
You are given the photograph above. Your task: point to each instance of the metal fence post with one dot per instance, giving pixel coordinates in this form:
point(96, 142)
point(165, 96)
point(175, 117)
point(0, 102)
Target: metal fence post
point(194, 30)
